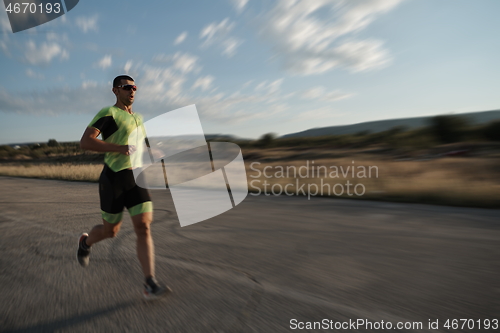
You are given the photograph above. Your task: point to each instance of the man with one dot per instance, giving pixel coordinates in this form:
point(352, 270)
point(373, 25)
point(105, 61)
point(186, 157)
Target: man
point(117, 186)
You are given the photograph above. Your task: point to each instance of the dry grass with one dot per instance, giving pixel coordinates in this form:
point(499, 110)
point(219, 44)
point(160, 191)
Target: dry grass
point(85, 172)
point(473, 182)
point(460, 182)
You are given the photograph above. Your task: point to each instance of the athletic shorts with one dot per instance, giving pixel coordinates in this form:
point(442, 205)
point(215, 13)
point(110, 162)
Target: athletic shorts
point(118, 190)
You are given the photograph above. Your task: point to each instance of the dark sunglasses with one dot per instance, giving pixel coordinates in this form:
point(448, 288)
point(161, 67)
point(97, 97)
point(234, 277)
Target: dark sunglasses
point(128, 87)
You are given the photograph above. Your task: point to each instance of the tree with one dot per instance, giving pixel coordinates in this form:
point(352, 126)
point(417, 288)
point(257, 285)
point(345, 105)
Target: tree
point(397, 129)
point(53, 143)
point(266, 140)
point(362, 133)
point(492, 131)
point(448, 129)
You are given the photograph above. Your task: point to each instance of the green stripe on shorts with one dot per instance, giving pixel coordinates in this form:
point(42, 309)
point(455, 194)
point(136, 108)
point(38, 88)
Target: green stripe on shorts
point(111, 218)
point(145, 207)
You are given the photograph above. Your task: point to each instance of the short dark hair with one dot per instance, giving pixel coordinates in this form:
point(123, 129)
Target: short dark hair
point(118, 80)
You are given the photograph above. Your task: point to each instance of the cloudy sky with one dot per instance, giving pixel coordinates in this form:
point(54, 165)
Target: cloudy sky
point(251, 66)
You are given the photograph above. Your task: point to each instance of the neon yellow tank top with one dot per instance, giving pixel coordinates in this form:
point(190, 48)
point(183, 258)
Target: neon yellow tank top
point(115, 126)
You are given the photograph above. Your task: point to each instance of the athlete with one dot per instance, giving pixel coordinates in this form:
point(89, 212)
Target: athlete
point(117, 186)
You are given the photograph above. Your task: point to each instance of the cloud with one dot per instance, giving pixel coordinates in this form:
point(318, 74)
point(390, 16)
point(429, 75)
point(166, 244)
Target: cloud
point(34, 75)
point(229, 46)
point(165, 88)
point(88, 23)
point(127, 66)
point(4, 23)
point(204, 83)
point(336, 96)
point(236, 109)
point(105, 62)
point(239, 5)
point(160, 85)
point(213, 31)
point(5, 41)
point(363, 55)
point(180, 38)
point(308, 43)
point(219, 34)
point(324, 112)
point(45, 53)
point(270, 88)
point(313, 93)
point(184, 62)
point(40, 49)
point(56, 101)
point(55, 37)
point(5, 49)
point(161, 88)
point(89, 84)
point(319, 93)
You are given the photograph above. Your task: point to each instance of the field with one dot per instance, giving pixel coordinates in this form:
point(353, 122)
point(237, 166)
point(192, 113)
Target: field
point(457, 181)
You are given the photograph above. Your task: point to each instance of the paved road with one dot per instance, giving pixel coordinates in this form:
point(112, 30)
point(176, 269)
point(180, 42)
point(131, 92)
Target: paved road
point(252, 269)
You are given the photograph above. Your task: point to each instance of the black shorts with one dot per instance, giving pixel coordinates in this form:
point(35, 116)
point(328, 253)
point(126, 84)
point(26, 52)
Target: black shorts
point(118, 190)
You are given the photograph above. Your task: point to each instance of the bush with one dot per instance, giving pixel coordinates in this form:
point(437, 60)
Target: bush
point(449, 129)
point(6, 148)
point(53, 143)
point(492, 131)
point(266, 140)
point(36, 154)
point(362, 133)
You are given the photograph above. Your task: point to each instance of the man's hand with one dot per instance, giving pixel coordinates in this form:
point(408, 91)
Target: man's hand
point(127, 150)
point(89, 141)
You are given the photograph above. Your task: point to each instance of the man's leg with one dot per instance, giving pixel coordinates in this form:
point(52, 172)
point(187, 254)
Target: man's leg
point(138, 202)
point(145, 247)
point(146, 255)
point(97, 234)
point(103, 231)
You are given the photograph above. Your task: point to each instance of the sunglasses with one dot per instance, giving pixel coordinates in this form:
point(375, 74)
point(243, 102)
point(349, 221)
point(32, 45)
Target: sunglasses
point(128, 87)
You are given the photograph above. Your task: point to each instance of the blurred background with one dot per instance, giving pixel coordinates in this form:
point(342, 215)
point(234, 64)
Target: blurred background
point(447, 160)
point(408, 86)
point(394, 102)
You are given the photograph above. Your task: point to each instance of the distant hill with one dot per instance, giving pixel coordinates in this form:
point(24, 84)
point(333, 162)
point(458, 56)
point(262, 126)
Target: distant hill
point(384, 125)
point(227, 137)
point(23, 144)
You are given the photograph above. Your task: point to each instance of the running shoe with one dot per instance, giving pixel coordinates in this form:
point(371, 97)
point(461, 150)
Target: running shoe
point(83, 252)
point(154, 291)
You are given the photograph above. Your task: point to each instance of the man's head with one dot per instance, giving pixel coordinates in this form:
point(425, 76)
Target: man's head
point(124, 89)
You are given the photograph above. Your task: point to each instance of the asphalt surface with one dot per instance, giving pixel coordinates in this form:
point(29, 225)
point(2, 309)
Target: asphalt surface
point(255, 268)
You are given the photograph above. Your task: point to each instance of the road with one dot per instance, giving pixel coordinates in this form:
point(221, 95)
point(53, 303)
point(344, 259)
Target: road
point(269, 265)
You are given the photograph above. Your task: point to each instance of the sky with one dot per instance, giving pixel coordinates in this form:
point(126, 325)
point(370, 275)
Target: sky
point(250, 66)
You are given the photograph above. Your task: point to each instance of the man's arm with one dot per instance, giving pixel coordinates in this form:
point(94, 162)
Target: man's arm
point(89, 141)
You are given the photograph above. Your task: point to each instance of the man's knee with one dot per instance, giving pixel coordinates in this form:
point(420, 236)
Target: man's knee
point(142, 223)
point(142, 228)
point(110, 230)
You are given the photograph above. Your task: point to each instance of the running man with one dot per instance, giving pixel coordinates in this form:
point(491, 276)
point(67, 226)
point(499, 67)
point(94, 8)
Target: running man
point(117, 186)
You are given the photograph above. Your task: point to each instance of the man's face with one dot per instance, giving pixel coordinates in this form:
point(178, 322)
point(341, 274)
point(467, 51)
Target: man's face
point(123, 95)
